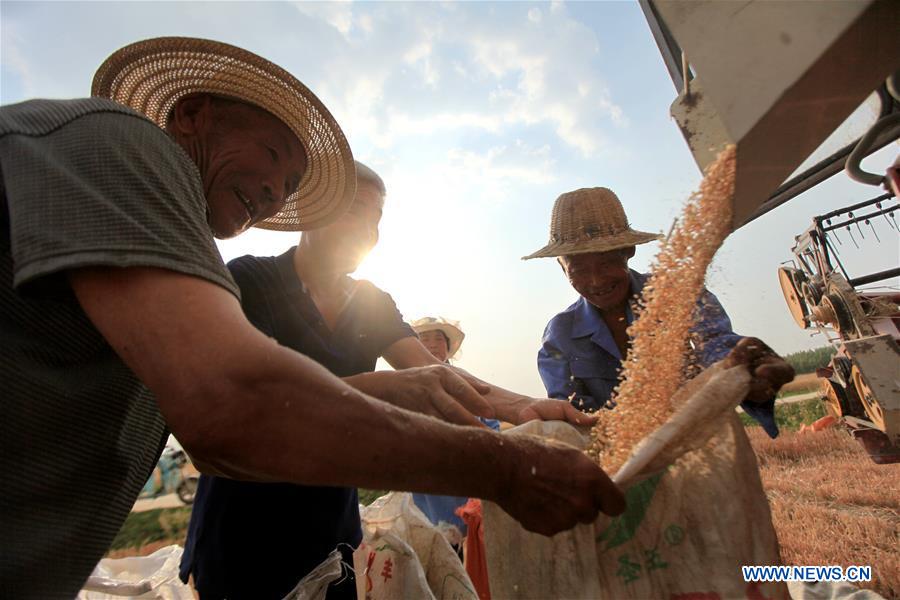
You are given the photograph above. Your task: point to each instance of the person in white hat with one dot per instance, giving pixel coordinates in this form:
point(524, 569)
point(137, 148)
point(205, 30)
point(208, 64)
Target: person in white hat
point(120, 321)
point(443, 338)
point(583, 346)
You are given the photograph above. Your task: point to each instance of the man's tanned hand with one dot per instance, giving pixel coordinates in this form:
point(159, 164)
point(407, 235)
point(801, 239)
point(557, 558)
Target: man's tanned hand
point(553, 487)
point(435, 390)
point(769, 370)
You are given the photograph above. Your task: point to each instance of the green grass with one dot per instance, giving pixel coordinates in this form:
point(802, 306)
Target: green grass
point(792, 416)
point(141, 528)
point(367, 497)
point(782, 395)
point(170, 524)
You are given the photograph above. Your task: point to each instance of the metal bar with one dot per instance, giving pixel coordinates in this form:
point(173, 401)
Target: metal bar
point(877, 213)
point(880, 276)
point(668, 47)
point(853, 166)
point(846, 209)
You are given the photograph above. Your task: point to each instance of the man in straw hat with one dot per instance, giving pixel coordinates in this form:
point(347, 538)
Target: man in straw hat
point(583, 346)
point(111, 282)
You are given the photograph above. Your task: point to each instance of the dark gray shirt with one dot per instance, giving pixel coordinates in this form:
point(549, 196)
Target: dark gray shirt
point(83, 183)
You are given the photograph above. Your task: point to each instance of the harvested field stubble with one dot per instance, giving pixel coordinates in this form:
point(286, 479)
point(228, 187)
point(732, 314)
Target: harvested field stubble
point(654, 367)
point(831, 505)
point(805, 383)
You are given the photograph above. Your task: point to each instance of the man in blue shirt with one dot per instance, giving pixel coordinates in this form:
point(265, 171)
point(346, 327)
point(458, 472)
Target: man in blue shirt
point(583, 346)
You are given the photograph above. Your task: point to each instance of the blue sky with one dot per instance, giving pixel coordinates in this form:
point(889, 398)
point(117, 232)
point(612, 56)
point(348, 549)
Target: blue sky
point(477, 115)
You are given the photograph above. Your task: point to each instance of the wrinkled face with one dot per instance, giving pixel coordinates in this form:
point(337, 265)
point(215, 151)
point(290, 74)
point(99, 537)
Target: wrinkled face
point(249, 160)
point(436, 343)
point(347, 241)
point(600, 277)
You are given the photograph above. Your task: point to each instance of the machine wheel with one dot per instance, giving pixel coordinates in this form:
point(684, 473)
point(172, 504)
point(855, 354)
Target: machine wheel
point(811, 293)
point(187, 489)
point(835, 398)
point(843, 319)
point(791, 280)
point(842, 367)
point(873, 410)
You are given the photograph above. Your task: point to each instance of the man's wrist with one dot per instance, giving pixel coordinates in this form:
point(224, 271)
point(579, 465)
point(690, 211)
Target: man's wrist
point(370, 383)
point(495, 457)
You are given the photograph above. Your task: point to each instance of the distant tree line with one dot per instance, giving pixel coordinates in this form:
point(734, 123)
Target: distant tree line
point(808, 361)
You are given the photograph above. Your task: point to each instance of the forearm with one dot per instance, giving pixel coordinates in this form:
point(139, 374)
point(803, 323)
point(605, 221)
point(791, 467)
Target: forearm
point(286, 418)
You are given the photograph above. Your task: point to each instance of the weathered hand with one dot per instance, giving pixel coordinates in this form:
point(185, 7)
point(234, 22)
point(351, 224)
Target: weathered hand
point(517, 409)
point(769, 370)
point(545, 409)
point(435, 390)
point(552, 486)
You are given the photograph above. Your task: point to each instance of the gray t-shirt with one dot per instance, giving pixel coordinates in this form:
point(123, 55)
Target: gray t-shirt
point(82, 183)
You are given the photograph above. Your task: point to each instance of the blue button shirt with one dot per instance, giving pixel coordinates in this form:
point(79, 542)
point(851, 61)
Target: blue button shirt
point(579, 359)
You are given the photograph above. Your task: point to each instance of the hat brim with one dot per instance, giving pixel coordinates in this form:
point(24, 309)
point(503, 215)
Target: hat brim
point(151, 75)
point(624, 239)
point(454, 335)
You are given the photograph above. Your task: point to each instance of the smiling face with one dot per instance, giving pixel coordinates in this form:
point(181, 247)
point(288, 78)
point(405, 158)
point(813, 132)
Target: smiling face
point(436, 342)
point(346, 242)
point(600, 277)
point(249, 160)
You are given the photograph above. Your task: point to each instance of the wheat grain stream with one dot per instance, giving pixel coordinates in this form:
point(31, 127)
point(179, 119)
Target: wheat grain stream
point(655, 366)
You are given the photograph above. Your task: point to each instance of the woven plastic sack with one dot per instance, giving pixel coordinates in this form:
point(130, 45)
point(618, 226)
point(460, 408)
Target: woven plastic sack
point(314, 586)
point(696, 512)
point(147, 577)
point(403, 555)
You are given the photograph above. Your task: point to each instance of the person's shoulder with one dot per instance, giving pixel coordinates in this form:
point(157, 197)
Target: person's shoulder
point(566, 316)
point(248, 264)
point(364, 286)
point(40, 117)
point(561, 323)
point(370, 294)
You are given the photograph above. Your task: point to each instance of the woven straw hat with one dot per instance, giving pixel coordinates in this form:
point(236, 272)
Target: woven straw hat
point(450, 328)
point(151, 75)
point(590, 220)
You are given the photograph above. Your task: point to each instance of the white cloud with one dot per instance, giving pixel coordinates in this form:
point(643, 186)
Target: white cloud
point(420, 55)
point(337, 13)
point(435, 68)
point(13, 57)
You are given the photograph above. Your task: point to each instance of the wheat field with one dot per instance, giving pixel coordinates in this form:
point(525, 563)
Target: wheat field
point(831, 505)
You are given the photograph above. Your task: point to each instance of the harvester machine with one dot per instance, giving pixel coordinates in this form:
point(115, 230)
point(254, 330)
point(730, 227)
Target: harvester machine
point(778, 79)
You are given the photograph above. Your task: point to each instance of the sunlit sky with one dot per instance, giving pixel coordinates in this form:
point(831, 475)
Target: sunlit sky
point(477, 116)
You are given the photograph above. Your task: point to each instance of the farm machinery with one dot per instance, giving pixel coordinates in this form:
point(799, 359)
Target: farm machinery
point(777, 80)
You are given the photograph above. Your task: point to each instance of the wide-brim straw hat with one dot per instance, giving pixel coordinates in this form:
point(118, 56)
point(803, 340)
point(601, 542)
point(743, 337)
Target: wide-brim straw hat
point(151, 75)
point(590, 220)
point(450, 328)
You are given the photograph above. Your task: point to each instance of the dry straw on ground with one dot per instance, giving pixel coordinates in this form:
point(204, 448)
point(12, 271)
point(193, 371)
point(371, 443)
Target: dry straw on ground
point(654, 368)
point(831, 505)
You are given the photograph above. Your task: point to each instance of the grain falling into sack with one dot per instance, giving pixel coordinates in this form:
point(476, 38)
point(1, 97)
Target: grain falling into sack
point(654, 368)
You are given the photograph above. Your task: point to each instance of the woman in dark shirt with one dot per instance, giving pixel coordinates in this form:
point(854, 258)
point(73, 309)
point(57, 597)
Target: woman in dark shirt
point(257, 540)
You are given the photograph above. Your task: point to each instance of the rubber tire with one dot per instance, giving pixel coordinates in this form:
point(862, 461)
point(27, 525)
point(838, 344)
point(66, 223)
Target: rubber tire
point(187, 489)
